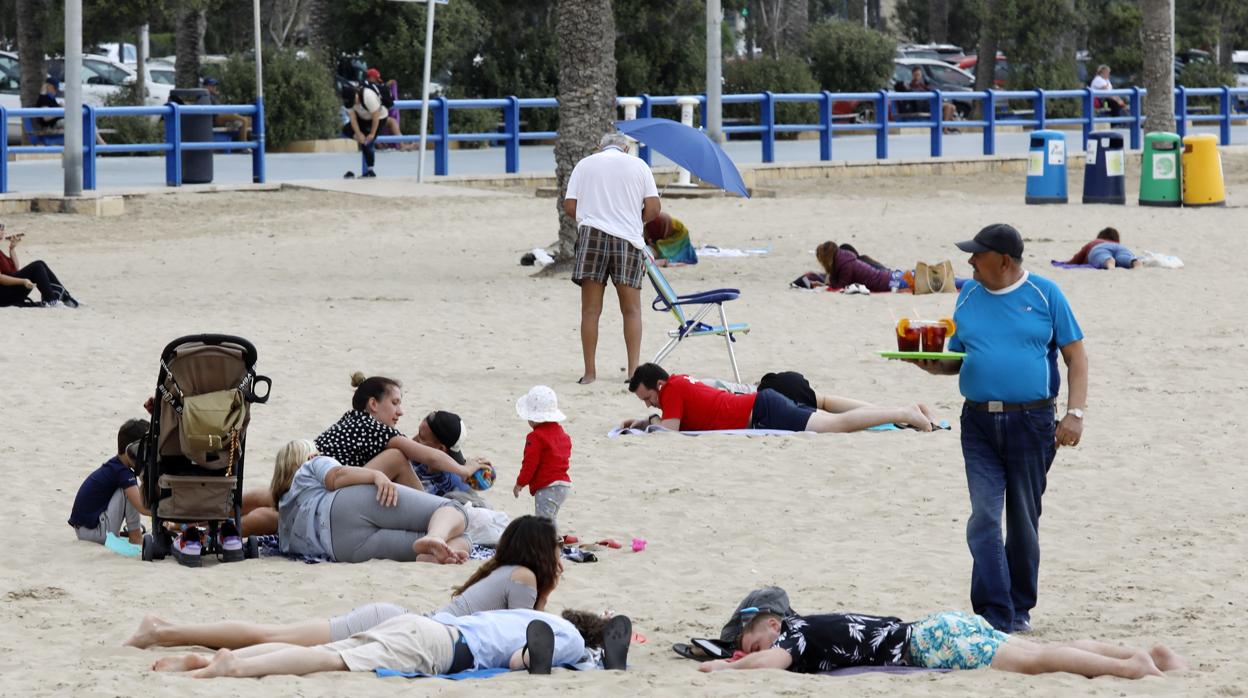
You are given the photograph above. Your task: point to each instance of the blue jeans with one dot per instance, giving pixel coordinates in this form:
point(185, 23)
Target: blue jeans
point(1102, 253)
point(1007, 456)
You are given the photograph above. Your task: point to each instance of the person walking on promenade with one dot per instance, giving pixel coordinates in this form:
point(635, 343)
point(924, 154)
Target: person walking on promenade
point(611, 195)
point(1011, 325)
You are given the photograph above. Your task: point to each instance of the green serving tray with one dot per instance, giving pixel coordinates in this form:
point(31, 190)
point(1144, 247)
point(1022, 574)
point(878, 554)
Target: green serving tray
point(938, 355)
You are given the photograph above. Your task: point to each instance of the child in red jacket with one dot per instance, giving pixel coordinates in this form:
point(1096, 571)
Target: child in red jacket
point(546, 452)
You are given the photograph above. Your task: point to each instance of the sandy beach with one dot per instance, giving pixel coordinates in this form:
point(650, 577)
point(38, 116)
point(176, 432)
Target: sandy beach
point(1143, 532)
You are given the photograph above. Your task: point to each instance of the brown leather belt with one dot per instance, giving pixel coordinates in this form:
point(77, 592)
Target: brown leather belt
point(996, 406)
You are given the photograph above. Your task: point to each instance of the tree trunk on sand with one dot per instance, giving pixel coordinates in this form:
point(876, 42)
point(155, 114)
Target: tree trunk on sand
point(192, 22)
point(938, 21)
point(30, 48)
point(586, 31)
point(1157, 34)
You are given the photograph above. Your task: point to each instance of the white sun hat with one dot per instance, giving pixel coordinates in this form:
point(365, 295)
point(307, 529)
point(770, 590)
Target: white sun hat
point(540, 405)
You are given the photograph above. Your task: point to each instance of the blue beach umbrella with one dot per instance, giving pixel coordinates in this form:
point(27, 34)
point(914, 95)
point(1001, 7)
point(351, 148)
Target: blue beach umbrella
point(689, 148)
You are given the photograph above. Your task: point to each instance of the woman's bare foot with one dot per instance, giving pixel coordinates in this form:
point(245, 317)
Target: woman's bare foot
point(441, 552)
point(1142, 665)
point(181, 662)
point(586, 379)
point(1167, 659)
point(145, 636)
point(222, 662)
point(916, 418)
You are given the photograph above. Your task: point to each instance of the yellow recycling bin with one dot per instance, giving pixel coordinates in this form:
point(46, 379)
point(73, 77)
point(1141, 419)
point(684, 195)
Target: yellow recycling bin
point(1202, 171)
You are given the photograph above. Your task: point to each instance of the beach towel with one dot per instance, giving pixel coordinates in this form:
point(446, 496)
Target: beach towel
point(850, 671)
point(654, 428)
point(469, 674)
point(677, 248)
point(713, 251)
point(1067, 265)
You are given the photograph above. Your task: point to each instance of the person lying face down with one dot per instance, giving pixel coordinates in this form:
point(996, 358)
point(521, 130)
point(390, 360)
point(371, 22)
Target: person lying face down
point(945, 640)
point(512, 639)
point(689, 405)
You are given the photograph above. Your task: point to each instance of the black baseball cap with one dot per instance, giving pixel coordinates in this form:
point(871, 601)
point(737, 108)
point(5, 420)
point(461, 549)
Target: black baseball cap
point(998, 237)
point(449, 430)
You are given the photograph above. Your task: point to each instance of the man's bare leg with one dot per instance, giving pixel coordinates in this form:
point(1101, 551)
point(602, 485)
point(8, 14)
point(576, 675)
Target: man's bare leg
point(157, 632)
point(867, 417)
point(397, 467)
point(277, 659)
point(1034, 658)
point(630, 308)
point(591, 311)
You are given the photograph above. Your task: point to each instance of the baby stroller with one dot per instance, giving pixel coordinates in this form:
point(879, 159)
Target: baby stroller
point(192, 457)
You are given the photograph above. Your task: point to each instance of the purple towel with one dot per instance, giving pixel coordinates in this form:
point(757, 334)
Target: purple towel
point(850, 671)
point(1068, 265)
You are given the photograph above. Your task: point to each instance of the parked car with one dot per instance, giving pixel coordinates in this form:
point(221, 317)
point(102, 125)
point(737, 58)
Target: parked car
point(1000, 73)
point(11, 91)
point(102, 77)
point(938, 75)
point(948, 53)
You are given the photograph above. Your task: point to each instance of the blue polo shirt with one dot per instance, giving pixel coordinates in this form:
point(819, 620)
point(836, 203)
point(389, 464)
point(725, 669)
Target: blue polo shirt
point(96, 491)
point(1011, 338)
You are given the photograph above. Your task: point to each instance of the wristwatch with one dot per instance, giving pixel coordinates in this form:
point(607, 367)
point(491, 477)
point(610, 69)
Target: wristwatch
point(1076, 412)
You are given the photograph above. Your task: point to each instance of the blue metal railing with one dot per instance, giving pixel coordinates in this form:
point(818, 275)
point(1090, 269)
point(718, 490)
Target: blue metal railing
point(837, 113)
point(173, 146)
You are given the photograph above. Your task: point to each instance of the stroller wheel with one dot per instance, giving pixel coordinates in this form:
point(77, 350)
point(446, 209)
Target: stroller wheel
point(253, 548)
point(149, 548)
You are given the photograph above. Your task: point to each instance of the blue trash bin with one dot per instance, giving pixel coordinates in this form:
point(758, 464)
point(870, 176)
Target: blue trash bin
point(1104, 169)
point(1046, 168)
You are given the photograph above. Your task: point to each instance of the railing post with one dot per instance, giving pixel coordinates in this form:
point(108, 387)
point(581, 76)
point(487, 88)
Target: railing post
point(881, 122)
point(173, 136)
point(1136, 117)
point(767, 117)
point(645, 111)
point(1180, 110)
point(630, 105)
point(702, 111)
point(258, 174)
point(441, 124)
point(1038, 105)
point(1089, 115)
point(4, 152)
point(88, 147)
point(825, 125)
point(1224, 107)
point(511, 125)
point(990, 122)
point(936, 109)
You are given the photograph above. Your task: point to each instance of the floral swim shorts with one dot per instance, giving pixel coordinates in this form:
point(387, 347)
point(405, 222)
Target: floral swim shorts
point(953, 640)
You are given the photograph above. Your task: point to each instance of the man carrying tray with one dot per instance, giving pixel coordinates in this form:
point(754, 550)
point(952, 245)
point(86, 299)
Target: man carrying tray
point(1011, 325)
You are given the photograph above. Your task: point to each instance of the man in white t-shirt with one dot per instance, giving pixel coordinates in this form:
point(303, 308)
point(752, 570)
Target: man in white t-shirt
point(612, 195)
point(1101, 83)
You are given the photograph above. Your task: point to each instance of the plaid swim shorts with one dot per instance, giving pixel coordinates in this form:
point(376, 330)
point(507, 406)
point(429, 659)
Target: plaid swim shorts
point(601, 257)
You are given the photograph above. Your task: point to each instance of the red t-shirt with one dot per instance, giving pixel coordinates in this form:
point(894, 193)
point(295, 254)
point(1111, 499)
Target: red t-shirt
point(7, 266)
point(700, 407)
point(546, 453)
point(1081, 257)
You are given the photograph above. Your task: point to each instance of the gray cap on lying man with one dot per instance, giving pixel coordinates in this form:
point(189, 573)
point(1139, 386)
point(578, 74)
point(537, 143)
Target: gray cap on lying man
point(766, 600)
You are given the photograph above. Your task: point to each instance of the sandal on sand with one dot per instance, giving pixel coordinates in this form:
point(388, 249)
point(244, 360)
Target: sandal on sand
point(611, 543)
point(702, 649)
point(540, 647)
point(615, 638)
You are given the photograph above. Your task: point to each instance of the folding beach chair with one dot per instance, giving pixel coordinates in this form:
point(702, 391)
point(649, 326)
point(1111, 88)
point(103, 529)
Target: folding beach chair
point(669, 301)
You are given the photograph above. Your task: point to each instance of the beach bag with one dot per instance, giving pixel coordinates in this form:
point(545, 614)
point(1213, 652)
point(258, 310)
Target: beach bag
point(210, 424)
point(934, 278)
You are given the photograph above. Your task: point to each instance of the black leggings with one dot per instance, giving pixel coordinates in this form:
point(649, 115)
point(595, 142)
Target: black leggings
point(370, 149)
point(50, 288)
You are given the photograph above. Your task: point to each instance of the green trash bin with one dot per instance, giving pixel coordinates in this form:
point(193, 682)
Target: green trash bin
point(1161, 178)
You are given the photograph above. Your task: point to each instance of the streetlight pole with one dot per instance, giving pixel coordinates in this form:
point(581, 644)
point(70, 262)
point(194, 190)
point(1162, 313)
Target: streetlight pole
point(714, 67)
point(71, 156)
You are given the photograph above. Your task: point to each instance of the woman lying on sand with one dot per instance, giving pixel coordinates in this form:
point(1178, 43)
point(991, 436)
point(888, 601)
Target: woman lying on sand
point(513, 639)
point(525, 569)
point(947, 640)
point(347, 514)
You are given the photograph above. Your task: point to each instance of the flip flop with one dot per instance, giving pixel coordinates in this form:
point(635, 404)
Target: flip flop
point(693, 652)
point(611, 543)
point(615, 639)
point(540, 645)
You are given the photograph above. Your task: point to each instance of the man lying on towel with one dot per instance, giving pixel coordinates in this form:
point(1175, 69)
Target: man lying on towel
point(784, 401)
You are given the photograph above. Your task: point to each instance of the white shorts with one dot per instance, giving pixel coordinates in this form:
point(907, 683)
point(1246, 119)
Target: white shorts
point(409, 643)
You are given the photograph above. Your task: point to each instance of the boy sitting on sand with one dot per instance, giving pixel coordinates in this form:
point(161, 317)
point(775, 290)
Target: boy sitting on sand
point(546, 453)
point(110, 494)
point(773, 637)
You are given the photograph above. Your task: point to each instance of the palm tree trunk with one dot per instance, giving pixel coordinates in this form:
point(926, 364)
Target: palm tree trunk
point(586, 31)
point(1157, 33)
point(192, 21)
point(986, 65)
point(30, 48)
